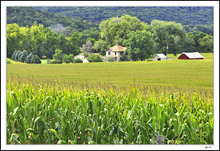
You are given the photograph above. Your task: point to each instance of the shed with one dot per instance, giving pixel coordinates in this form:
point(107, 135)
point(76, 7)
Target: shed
point(190, 55)
point(159, 57)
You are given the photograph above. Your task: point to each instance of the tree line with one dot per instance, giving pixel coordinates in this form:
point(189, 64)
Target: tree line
point(142, 40)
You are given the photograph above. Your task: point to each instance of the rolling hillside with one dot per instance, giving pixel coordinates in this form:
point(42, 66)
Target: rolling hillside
point(24, 16)
point(183, 15)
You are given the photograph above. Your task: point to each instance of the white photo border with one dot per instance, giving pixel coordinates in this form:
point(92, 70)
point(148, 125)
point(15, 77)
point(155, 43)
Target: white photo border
point(214, 4)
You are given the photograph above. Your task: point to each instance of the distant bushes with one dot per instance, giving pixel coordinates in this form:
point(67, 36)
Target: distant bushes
point(54, 62)
point(68, 59)
point(65, 58)
point(94, 58)
point(58, 57)
point(71, 58)
point(78, 61)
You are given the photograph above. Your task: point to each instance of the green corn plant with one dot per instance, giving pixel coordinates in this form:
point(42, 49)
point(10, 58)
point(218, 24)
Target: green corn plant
point(40, 114)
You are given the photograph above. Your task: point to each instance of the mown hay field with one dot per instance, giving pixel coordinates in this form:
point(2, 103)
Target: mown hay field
point(111, 103)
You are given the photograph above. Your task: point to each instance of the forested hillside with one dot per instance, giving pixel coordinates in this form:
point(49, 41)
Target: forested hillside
point(67, 20)
point(183, 15)
point(24, 16)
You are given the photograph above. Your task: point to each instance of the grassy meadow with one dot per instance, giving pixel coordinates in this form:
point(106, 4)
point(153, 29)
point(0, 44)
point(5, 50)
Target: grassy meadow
point(111, 102)
point(189, 73)
point(10, 61)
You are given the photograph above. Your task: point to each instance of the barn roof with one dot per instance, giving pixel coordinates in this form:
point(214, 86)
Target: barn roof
point(116, 48)
point(161, 55)
point(193, 55)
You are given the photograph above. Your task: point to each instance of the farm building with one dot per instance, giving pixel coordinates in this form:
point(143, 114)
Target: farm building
point(191, 55)
point(115, 52)
point(159, 57)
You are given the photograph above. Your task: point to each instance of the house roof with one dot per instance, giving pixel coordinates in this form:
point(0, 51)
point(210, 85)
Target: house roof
point(117, 48)
point(161, 55)
point(192, 55)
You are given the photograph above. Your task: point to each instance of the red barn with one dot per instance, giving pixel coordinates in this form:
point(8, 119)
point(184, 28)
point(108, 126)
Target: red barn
point(191, 55)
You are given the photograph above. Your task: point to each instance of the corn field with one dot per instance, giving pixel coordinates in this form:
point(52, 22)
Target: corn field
point(39, 114)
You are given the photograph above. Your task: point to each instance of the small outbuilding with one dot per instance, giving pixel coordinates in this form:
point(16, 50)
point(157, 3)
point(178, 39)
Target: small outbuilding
point(190, 55)
point(159, 57)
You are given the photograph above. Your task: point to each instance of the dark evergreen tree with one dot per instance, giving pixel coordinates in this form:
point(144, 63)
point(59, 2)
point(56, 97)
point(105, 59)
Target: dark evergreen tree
point(29, 58)
point(36, 59)
point(51, 53)
point(39, 51)
point(13, 55)
point(17, 56)
point(23, 56)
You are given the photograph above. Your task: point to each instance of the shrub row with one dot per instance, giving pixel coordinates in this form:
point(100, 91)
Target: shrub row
point(94, 58)
point(68, 59)
point(57, 62)
point(23, 56)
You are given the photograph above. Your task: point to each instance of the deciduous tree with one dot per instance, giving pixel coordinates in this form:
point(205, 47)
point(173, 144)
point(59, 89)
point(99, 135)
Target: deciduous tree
point(73, 44)
point(115, 30)
point(189, 43)
point(12, 39)
point(58, 55)
point(206, 44)
point(140, 45)
point(169, 34)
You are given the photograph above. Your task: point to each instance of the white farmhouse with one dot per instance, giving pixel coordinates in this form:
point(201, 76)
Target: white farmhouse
point(159, 57)
point(115, 52)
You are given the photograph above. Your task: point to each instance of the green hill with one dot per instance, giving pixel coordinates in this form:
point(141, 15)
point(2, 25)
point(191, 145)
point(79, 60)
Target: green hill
point(24, 16)
point(183, 15)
